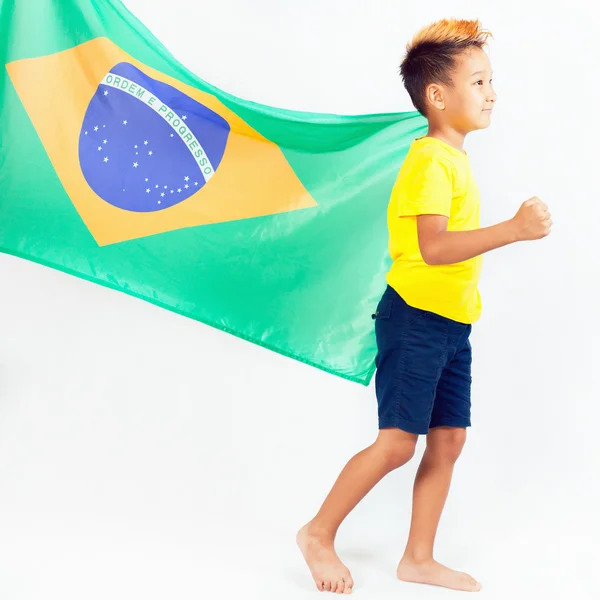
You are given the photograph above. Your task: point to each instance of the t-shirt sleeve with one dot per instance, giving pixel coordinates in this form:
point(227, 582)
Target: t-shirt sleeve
point(426, 188)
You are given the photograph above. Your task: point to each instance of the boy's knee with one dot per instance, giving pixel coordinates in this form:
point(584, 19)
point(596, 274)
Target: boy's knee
point(397, 452)
point(447, 445)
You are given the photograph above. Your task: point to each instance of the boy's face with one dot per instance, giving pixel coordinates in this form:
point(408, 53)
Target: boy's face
point(468, 105)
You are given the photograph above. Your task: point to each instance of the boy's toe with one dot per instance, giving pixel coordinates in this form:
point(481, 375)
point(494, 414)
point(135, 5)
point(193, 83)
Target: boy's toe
point(473, 584)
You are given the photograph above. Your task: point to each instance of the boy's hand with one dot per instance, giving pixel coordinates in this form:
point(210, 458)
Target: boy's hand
point(532, 221)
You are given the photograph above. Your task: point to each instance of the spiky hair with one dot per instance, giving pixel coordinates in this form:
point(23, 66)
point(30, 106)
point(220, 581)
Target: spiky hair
point(431, 55)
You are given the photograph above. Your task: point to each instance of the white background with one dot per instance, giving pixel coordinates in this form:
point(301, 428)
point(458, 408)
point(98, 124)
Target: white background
point(144, 455)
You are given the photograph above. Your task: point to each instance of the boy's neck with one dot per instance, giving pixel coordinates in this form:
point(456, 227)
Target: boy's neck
point(447, 134)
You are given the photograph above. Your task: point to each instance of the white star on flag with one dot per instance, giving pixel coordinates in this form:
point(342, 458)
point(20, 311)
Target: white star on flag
point(184, 117)
point(96, 128)
point(145, 142)
point(178, 189)
point(162, 194)
point(106, 92)
point(106, 159)
point(99, 147)
point(135, 165)
point(150, 153)
point(125, 122)
point(147, 190)
point(186, 178)
point(105, 141)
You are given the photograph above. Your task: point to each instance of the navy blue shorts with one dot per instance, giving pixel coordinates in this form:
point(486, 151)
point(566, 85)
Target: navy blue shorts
point(423, 376)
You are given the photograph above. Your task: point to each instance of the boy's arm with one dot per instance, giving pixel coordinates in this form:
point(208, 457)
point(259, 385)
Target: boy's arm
point(439, 246)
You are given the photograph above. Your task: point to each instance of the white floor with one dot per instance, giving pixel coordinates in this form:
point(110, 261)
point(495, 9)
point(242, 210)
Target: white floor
point(95, 551)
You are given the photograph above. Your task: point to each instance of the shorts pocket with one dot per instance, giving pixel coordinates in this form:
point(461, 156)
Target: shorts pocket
point(384, 308)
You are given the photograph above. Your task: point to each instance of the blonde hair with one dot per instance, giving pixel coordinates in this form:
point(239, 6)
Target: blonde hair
point(430, 55)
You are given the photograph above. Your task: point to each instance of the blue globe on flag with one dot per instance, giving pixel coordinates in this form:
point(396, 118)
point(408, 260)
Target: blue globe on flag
point(145, 146)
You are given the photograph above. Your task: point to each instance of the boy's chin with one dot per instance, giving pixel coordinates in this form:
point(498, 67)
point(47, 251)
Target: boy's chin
point(483, 124)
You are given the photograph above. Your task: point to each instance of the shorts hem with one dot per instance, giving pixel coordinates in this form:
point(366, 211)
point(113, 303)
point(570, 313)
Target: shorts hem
point(405, 426)
point(452, 424)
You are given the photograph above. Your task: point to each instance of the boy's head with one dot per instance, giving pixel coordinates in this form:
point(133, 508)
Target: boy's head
point(448, 74)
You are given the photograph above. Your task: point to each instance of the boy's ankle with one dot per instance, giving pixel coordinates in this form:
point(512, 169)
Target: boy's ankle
point(416, 557)
point(320, 531)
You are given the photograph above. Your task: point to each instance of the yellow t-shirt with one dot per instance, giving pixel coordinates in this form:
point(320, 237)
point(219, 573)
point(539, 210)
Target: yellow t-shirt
point(435, 178)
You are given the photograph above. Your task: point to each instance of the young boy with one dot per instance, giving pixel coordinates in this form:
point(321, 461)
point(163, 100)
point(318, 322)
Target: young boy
point(424, 319)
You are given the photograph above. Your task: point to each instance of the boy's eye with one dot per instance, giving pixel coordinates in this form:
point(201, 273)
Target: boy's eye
point(480, 81)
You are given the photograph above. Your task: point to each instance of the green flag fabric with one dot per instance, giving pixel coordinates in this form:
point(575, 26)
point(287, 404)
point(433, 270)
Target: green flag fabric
point(120, 166)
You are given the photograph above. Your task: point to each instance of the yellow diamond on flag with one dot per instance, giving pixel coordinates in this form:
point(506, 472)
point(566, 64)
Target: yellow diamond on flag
point(139, 152)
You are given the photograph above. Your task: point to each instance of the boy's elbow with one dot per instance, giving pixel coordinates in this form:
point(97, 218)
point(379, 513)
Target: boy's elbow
point(430, 255)
point(431, 231)
point(433, 261)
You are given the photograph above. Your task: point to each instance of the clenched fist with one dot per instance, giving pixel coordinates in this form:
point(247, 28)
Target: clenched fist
point(532, 221)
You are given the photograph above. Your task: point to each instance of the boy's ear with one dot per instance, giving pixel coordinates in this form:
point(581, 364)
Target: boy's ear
point(434, 94)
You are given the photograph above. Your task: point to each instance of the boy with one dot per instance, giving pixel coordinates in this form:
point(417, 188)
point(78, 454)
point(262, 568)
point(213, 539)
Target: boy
point(424, 318)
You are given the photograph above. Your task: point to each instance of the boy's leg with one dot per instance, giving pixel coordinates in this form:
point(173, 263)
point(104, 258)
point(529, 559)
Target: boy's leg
point(445, 440)
point(392, 448)
point(431, 487)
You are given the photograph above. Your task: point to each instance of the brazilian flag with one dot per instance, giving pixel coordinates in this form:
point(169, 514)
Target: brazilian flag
point(120, 166)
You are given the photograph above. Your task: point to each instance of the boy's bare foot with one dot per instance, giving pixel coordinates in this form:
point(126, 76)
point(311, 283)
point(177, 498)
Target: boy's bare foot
point(434, 573)
point(328, 571)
